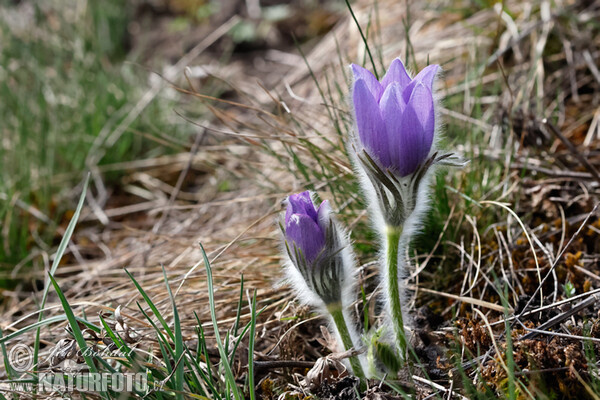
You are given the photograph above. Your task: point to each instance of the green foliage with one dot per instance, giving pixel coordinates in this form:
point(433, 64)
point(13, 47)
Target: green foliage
point(569, 289)
point(182, 368)
point(385, 353)
point(59, 254)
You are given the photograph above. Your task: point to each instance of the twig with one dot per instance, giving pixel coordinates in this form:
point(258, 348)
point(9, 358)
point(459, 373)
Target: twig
point(469, 300)
point(556, 260)
point(561, 317)
point(572, 149)
point(283, 364)
point(439, 387)
point(549, 306)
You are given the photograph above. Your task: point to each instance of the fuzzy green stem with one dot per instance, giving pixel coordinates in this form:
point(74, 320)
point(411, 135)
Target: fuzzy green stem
point(342, 328)
point(393, 243)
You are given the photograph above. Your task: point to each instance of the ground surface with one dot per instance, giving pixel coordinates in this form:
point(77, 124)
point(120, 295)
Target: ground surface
point(521, 93)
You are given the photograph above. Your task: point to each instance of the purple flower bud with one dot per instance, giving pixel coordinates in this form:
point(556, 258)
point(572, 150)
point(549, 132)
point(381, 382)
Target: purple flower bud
point(318, 251)
point(395, 118)
point(305, 226)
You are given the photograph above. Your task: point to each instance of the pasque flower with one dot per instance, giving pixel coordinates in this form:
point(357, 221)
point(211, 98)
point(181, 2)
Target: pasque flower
point(394, 144)
point(395, 118)
point(394, 139)
point(320, 265)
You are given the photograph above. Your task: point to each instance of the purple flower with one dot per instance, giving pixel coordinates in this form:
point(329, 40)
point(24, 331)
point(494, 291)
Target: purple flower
point(318, 255)
point(395, 118)
point(305, 226)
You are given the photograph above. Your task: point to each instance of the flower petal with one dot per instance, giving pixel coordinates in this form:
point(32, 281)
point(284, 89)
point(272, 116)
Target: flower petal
point(306, 235)
point(370, 125)
point(426, 76)
point(418, 126)
point(372, 83)
point(300, 203)
point(392, 109)
point(323, 215)
point(396, 73)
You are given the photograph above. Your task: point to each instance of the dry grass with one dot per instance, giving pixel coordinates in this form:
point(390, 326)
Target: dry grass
point(505, 75)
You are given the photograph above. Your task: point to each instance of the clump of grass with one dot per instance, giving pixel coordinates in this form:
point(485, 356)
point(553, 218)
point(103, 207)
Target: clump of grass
point(179, 372)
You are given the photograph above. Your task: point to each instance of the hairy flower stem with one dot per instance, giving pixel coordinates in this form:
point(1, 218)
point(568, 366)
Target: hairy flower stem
point(393, 243)
point(342, 328)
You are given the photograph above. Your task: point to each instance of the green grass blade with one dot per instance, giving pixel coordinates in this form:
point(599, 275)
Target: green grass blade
point(161, 337)
point(241, 336)
point(365, 302)
point(165, 351)
point(58, 256)
point(48, 321)
point(74, 325)
point(239, 307)
point(152, 306)
point(251, 348)
point(204, 352)
point(178, 342)
point(125, 350)
point(364, 39)
point(223, 354)
point(191, 379)
point(7, 366)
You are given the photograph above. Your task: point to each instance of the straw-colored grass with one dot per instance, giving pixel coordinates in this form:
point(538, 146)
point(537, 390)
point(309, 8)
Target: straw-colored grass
point(521, 90)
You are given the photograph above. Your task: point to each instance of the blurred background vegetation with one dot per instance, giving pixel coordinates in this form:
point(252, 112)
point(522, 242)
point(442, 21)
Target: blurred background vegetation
point(72, 71)
point(63, 81)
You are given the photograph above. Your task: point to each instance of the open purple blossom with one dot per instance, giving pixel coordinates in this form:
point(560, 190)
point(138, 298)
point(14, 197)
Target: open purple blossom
point(305, 226)
point(395, 117)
